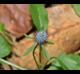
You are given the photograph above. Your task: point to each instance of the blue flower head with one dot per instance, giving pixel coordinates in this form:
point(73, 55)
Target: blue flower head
point(41, 37)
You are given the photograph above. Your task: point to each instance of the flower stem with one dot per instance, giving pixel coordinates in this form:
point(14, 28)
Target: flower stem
point(35, 58)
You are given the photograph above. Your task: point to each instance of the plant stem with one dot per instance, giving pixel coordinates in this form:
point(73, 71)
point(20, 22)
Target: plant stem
point(40, 58)
point(9, 63)
point(27, 36)
point(35, 58)
point(40, 54)
point(49, 61)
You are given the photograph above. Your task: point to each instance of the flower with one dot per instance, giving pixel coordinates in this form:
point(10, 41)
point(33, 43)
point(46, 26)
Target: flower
point(41, 37)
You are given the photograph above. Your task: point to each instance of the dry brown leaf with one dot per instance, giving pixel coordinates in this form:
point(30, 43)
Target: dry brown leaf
point(16, 17)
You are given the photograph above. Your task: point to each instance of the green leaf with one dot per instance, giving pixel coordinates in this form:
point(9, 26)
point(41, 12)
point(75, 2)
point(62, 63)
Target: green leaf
point(50, 42)
point(67, 63)
point(60, 63)
point(45, 52)
point(2, 27)
point(5, 47)
point(31, 49)
point(56, 63)
point(76, 8)
point(75, 57)
point(39, 16)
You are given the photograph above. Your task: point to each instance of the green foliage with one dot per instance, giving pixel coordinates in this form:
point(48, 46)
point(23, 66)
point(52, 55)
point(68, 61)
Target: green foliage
point(66, 62)
point(39, 16)
point(40, 19)
point(45, 52)
point(75, 57)
point(2, 27)
point(76, 8)
point(5, 47)
point(50, 42)
point(31, 49)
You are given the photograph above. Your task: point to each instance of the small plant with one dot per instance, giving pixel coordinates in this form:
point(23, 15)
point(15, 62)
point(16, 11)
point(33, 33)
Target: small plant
point(40, 19)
